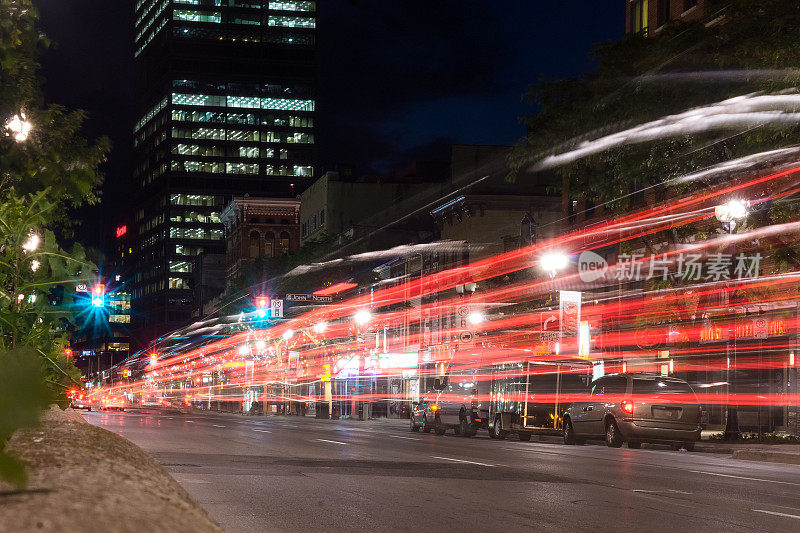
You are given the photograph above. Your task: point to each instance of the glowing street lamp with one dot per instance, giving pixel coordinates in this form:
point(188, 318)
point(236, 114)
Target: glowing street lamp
point(553, 262)
point(288, 334)
point(732, 213)
point(362, 317)
point(320, 327)
point(32, 243)
point(476, 318)
point(19, 127)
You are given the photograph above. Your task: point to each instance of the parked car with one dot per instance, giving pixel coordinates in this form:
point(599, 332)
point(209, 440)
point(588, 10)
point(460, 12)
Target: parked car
point(80, 401)
point(461, 403)
point(635, 408)
point(420, 413)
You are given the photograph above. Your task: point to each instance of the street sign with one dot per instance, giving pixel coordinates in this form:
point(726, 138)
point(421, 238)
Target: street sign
point(308, 298)
point(82, 288)
point(277, 308)
point(760, 328)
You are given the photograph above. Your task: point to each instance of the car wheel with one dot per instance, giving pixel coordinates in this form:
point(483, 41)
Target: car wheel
point(465, 428)
point(569, 433)
point(414, 427)
point(634, 445)
point(613, 436)
point(89, 409)
point(525, 437)
point(439, 428)
point(499, 432)
point(426, 428)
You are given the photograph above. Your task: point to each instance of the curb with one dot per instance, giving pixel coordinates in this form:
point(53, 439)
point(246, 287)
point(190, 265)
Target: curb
point(769, 457)
point(85, 478)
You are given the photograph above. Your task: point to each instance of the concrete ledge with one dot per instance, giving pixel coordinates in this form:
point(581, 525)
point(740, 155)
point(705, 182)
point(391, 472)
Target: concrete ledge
point(84, 478)
point(768, 456)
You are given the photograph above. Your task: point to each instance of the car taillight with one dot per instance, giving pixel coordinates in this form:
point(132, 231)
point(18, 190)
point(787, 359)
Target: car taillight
point(627, 406)
point(434, 407)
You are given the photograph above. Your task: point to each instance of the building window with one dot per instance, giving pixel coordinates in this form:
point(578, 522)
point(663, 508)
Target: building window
point(283, 243)
point(322, 217)
point(304, 229)
point(663, 12)
point(255, 248)
point(689, 4)
point(314, 223)
point(639, 16)
point(269, 245)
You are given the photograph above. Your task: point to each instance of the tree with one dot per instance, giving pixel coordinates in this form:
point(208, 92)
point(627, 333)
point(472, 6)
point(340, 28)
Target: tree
point(42, 177)
point(744, 47)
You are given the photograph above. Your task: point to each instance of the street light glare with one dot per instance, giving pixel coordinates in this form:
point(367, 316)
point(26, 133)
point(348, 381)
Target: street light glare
point(362, 317)
point(288, 334)
point(19, 127)
point(733, 211)
point(32, 243)
point(554, 261)
point(476, 318)
point(320, 327)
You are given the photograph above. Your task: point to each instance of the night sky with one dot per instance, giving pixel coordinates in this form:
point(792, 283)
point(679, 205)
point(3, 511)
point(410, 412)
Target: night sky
point(399, 80)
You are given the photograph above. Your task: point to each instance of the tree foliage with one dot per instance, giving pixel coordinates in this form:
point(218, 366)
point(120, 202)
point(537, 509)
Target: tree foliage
point(41, 179)
point(742, 47)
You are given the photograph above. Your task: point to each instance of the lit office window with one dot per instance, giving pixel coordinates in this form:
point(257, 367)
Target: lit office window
point(198, 133)
point(287, 104)
point(180, 266)
point(240, 135)
point(210, 167)
point(196, 199)
point(252, 102)
point(292, 22)
point(197, 16)
point(293, 6)
point(241, 168)
point(120, 319)
point(198, 99)
point(305, 171)
point(248, 151)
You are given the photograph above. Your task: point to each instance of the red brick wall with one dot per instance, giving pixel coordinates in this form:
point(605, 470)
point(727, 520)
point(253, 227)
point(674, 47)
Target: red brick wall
point(676, 12)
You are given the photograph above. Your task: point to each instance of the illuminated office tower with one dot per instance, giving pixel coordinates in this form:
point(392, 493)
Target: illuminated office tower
point(226, 100)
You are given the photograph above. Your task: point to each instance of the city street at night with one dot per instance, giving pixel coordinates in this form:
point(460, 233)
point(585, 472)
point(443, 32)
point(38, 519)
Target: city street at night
point(303, 474)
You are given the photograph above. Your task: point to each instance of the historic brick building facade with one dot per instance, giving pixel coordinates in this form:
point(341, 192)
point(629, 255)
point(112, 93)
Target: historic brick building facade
point(259, 229)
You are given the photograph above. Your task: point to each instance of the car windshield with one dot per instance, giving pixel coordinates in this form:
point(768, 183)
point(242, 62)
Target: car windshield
point(660, 386)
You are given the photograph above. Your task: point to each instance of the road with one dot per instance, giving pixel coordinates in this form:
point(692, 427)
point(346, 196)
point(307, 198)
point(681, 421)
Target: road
point(302, 474)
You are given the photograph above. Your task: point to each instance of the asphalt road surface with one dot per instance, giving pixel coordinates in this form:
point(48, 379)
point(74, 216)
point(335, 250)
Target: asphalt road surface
point(302, 474)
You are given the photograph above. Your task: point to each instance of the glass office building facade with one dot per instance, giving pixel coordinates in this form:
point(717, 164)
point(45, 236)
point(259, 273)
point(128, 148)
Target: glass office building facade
point(226, 101)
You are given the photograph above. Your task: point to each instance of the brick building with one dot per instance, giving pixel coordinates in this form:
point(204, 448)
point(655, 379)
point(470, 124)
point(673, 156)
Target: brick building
point(259, 229)
point(649, 16)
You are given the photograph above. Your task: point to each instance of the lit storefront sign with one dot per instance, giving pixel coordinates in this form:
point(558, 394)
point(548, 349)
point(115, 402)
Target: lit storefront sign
point(398, 360)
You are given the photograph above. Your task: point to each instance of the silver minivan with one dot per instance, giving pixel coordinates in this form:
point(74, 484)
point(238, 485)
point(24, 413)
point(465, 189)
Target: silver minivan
point(635, 408)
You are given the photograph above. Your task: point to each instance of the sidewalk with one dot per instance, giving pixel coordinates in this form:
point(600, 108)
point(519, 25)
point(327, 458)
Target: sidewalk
point(84, 478)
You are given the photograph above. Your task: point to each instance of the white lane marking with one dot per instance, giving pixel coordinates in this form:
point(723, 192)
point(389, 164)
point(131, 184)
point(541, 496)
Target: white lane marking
point(661, 491)
point(332, 441)
point(787, 515)
point(262, 430)
point(401, 437)
point(190, 421)
point(462, 461)
point(747, 478)
point(217, 426)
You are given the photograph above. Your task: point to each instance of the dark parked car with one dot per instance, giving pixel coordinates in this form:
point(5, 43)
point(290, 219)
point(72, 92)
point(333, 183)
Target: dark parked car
point(635, 408)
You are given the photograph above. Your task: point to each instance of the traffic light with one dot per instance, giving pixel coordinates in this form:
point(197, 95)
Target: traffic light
point(262, 304)
point(99, 295)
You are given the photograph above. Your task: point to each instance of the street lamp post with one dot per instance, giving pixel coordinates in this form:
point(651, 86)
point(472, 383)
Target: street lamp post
point(731, 215)
point(551, 263)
